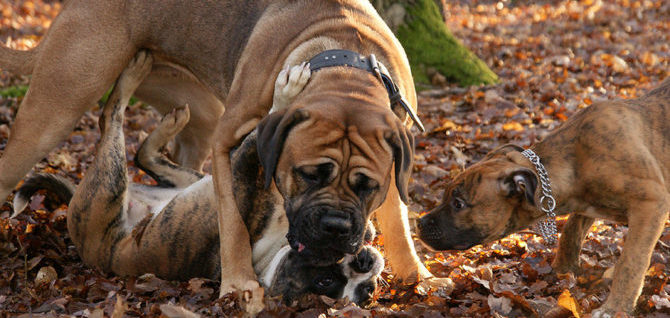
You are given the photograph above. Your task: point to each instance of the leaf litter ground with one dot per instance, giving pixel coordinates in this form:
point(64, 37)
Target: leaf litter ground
point(553, 58)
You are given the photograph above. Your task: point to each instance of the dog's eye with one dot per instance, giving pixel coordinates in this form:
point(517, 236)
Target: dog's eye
point(363, 185)
point(315, 174)
point(308, 175)
point(324, 282)
point(458, 204)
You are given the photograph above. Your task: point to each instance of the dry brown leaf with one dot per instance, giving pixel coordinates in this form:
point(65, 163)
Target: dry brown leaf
point(46, 275)
point(501, 305)
point(97, 313)
point(119, 308)
point(566, 301)
point(175, 311)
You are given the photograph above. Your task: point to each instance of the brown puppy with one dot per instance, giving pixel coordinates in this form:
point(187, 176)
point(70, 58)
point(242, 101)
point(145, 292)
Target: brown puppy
point(611, 160)
point(331, 152)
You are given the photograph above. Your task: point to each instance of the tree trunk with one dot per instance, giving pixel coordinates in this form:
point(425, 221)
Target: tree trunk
point(429, 45)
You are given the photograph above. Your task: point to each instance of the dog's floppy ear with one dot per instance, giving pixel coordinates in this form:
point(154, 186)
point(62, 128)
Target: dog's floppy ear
point(272, 132)
point(402, 142)
point(503, 150)
point(520, 183)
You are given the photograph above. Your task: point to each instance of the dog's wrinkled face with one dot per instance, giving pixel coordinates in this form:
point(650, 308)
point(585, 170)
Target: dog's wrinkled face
point(355, 277)
point(486, 202)
point(333, 166)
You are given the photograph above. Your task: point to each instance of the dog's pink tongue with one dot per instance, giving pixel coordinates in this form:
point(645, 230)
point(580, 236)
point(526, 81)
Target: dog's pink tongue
point(301, 247)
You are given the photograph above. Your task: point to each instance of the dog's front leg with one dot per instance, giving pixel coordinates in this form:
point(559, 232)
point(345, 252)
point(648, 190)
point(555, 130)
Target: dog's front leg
point(646, 220)
point(394, 224)
point(570, 244)
point(237, 273)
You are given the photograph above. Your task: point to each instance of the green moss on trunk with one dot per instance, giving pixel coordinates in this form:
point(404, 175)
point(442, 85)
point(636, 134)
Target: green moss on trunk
point(429, 44)
point(13, 91)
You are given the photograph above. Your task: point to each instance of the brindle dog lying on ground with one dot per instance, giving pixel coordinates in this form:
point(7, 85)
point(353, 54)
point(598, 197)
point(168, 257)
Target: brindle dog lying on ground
point(611, 160)
point(171, 229)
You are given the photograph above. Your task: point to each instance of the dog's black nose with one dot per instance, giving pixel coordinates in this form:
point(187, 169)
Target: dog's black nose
point(363, 262)
point(425, 223)
point(336, 224)
point(365, 291)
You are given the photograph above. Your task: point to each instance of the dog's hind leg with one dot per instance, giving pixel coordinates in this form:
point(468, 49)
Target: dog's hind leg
point(97, 212)
point(166, 87)
point(150, 159)
point(570, 244)
point(78, 60)
point(646, 221)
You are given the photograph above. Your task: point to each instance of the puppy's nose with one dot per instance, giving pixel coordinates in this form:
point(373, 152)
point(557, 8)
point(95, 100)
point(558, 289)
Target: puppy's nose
point(426, 222)
point(336, 224)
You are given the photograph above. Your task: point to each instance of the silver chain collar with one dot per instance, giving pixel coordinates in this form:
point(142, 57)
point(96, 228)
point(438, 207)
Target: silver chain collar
point(547, 227)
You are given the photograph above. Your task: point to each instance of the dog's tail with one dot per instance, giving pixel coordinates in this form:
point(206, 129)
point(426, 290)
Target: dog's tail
point(60, 187)
point(17, 62)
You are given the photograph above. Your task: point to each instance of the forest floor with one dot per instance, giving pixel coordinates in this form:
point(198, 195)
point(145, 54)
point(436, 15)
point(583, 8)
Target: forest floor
point(553, 57)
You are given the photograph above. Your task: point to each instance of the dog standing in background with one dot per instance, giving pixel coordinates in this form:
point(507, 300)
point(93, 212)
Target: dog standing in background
point(610, 160)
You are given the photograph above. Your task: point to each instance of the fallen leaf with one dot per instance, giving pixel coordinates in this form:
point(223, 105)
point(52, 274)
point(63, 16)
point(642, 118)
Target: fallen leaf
point(174, 311)
point(501, 305)
point(45, 275)
point(566, 301)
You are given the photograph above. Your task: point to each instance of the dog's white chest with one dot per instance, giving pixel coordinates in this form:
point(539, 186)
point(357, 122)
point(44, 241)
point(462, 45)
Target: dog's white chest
point(272, 240)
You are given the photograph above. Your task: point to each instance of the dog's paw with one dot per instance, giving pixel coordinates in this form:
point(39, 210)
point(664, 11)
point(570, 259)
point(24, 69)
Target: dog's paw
point(290, 82)
point(602, 313)
point(171, 124)
point(611, 309)
point(174, 121)
point(412, 272)
point(138, 69)
point(441, 285)
point(250, 294)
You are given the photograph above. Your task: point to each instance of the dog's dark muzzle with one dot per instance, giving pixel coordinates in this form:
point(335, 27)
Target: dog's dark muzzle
point(326, 232)
point(439, 232)
point(336, 224)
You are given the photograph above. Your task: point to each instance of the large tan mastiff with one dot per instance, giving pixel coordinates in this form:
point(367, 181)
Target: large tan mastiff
point(611, 160)
point(331, 153)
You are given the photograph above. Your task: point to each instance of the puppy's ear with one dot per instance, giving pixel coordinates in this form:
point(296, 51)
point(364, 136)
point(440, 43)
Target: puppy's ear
point(272, 132)
point(402, 142)
point(520, 183)
point(503, 150)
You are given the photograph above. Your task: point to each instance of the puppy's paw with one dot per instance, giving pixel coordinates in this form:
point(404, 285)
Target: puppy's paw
point(250, 294)
point(138, 69)
point(290, 82)
point(174, 121)
point(171, 124)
